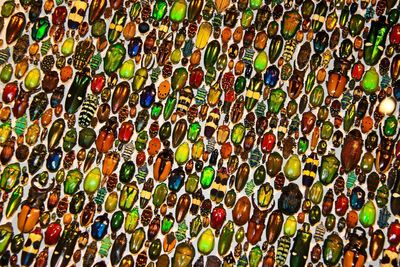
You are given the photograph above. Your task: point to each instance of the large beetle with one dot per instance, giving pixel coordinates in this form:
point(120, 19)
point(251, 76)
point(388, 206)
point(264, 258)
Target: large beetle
point(32, 207)
point(256, 224)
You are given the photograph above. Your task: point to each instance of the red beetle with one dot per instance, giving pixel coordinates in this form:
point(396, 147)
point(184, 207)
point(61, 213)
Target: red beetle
point(140, 158)
point(98, 83)
point(53, 233)
point(125, 132)
point(228, 100)
point(357, 71)
point(341, 205)
point(228, 81)
point(395, 35)
point(10, 92)
point(59, 15)
point(394, 234)
point(230, 96)
point(268, 142)
point(196, 77)
point(218, 217)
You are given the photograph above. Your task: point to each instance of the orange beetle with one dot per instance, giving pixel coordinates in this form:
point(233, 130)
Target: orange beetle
point(163, 90)
point(105, 139)
point(169, 242)
point(367, 124)
point(31, 209)
point(28, 218)
point(336, 84)
point(162, 166)
point(352, 219)
point(226, 150)
point(154, 146)
point(110, 163)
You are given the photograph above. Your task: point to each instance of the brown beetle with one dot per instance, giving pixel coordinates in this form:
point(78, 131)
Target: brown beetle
point(8, 151)
point(274, 226)
point(15, 27)
point(154, 228)
point(182, 207)
point(120, 96)
point(62, 206)
point(87, 214)
point(351, 150)
point(147, 214)
point(269, 259)
point(256, 224)
point(22, 102)
point(54, 197)
point(42, 258)
point(296, 83)
point(241, 211)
